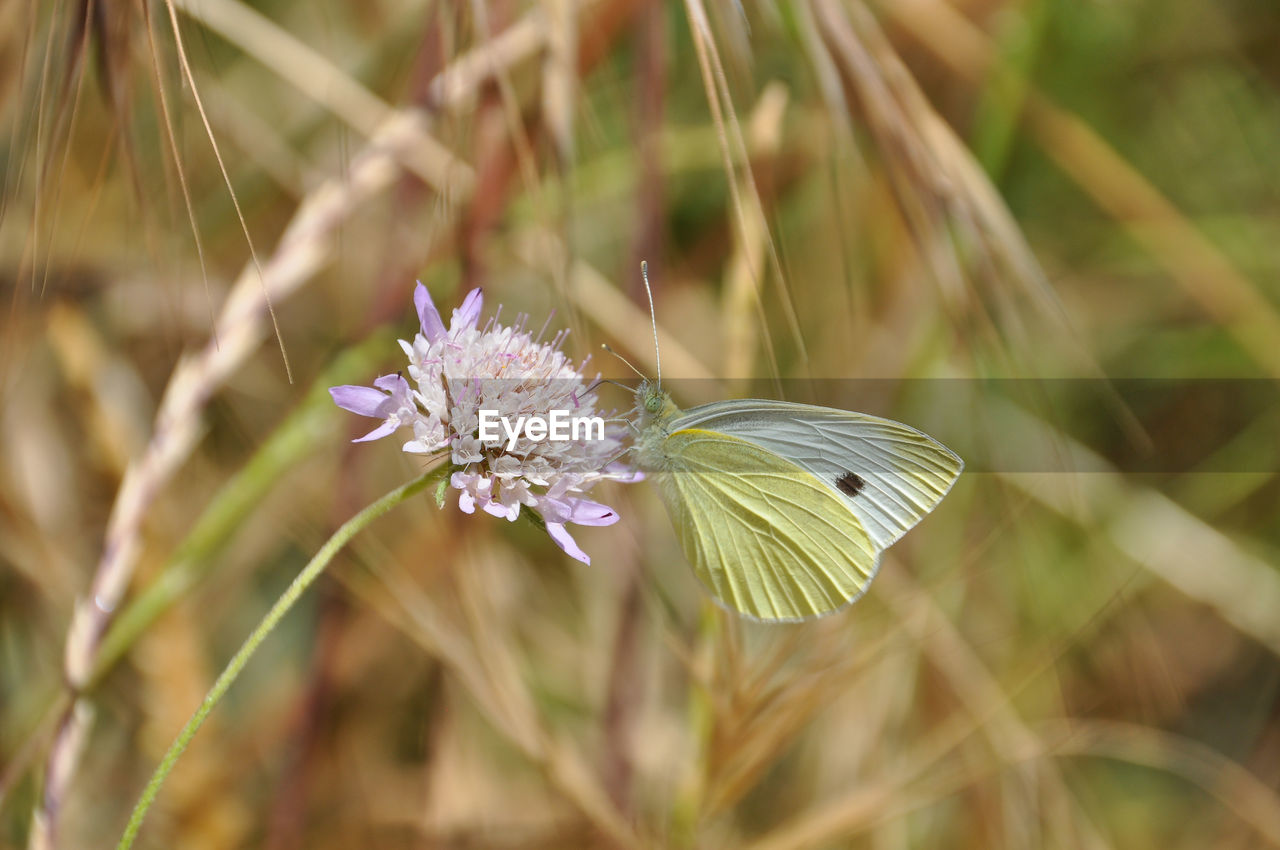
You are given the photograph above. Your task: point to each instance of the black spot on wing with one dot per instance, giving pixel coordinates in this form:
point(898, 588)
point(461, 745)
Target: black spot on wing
point(850, 484)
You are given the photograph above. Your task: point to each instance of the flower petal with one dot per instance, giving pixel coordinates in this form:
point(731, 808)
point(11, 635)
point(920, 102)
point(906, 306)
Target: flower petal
point(502, 511)
point(388, 427)
point(428, 315)
point(586, 512)
point(394, 384)
point(566, 542)
point(469, 313)
point(363, 400)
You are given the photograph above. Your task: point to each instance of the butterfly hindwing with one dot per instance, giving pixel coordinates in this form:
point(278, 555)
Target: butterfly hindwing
point(766, 536)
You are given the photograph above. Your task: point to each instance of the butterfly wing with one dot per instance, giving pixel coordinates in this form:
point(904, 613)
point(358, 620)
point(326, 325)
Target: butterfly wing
point(766, 536)
point(889, 475)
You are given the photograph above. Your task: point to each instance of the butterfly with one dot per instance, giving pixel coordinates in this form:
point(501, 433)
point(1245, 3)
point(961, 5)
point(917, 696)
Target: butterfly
point(785, 509)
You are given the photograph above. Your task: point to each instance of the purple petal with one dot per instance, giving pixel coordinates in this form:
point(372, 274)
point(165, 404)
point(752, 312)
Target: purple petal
point(585, 512)
point(555, 509)
point(566, 542)
point(428, 315)
point(363, 400)
point(378, 433)
point(469, 313)
point(501, 511)
point(394, 384)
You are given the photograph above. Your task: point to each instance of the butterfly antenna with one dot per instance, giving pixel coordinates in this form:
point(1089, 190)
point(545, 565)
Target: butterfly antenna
point(606, 347)
point(598, 381)
point(653, 319)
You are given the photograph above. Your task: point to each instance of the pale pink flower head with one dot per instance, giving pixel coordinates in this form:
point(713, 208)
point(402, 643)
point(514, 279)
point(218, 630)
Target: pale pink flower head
point(456, 373)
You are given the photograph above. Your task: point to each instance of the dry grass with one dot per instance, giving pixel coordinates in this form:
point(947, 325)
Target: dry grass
point(1072, 652)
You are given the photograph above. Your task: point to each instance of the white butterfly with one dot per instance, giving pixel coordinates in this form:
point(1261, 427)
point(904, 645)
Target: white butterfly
point(784, 509)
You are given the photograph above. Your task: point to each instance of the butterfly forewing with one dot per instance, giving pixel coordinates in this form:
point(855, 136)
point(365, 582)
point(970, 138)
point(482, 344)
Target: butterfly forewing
point(763, 533)
point(888, 474)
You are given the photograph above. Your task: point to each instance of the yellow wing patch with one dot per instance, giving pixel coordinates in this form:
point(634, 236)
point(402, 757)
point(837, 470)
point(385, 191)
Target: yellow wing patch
point(764, 535)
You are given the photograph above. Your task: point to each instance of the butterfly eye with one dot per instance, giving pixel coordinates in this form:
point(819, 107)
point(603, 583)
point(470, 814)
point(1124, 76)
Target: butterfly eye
point(653, 403)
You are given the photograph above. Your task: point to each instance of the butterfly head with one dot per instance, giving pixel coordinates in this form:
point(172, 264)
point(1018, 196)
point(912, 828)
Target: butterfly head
point(653, 402)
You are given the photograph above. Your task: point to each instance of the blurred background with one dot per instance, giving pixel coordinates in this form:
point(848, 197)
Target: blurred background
point(214, 210)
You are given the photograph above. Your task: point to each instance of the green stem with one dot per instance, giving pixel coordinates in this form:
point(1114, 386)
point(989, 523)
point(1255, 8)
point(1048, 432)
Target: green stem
point(286, 601)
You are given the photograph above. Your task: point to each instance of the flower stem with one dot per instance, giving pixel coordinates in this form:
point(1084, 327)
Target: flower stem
point(286, 601)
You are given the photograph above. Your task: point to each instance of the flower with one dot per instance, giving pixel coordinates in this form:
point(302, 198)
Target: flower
point(456, 373)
